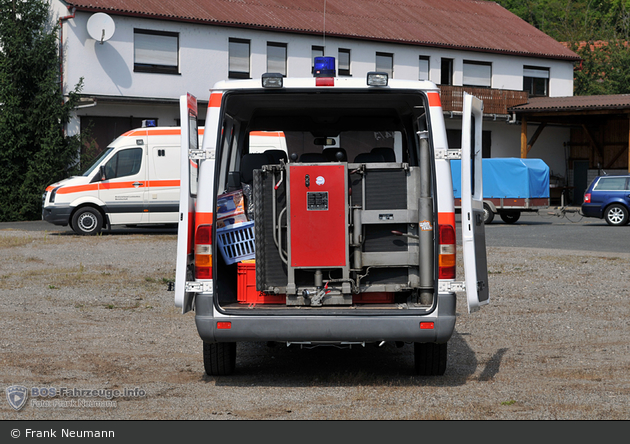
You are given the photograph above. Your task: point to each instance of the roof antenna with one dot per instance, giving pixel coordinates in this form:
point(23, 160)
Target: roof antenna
point(324, 34)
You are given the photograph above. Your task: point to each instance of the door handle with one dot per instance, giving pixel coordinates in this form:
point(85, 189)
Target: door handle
point(137, 184)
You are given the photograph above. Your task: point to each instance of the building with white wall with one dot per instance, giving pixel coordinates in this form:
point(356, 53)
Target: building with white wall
point(160, 50)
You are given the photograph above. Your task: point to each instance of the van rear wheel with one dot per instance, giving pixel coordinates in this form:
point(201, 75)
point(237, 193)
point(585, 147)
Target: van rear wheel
point(430, 358)
point(219, 358)
point(87, 221)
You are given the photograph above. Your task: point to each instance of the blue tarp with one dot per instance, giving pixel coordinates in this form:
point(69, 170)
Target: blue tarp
point(508, 177)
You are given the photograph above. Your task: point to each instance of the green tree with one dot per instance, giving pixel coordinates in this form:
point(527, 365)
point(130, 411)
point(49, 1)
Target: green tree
point(34, 151)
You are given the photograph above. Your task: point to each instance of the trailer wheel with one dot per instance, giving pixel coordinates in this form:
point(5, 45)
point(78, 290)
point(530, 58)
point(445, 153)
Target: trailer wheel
point(219, 358)
point(430, 358)
point(510, 217)
point(87, 221)
point(488, 215)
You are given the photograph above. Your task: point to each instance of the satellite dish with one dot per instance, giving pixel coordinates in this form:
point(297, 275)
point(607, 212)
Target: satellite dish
point(101, 27)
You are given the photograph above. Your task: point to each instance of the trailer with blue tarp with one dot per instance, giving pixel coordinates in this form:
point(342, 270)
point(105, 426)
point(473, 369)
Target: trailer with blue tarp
point(510, 186)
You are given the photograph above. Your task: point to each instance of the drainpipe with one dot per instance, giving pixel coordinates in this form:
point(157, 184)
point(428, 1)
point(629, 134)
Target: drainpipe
point(61, 19)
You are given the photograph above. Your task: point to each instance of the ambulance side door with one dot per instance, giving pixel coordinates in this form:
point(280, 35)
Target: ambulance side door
point(164, 184)
point(124, 190)
point(473, 228)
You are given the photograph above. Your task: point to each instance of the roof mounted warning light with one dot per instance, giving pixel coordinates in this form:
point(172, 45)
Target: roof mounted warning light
point(377, 78)
point(149, 123)
point(324, 67)
point(272, 80)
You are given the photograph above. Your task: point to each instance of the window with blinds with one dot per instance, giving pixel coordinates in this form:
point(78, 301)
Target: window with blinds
point(155, 51)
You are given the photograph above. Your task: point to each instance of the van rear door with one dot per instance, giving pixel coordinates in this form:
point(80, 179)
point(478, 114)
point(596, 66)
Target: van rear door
point(473, 229)
point(185, 232)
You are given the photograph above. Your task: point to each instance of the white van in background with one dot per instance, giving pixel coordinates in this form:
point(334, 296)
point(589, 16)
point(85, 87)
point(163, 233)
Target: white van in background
point(135, 181)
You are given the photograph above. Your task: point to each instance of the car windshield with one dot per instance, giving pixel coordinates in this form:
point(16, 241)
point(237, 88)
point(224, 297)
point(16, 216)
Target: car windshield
point(97, 161)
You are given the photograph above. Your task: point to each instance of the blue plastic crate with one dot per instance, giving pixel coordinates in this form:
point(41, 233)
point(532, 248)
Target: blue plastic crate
point(237, 242)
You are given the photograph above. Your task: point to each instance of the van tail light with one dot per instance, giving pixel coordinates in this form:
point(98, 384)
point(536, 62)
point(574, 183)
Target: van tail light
point(587, 198)
point(447, 259)
point(203, 252)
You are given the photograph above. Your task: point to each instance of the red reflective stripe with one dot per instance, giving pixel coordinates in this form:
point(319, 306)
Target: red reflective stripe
point(78, 189)
point(446, 219)
point(203, 218)
point(163, 183)
point(122, 185)
point(434, 99)
point(215, 100)
point(267, 133)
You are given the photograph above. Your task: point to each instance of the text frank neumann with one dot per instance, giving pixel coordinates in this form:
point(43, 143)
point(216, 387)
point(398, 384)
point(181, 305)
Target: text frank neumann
point(67, 433)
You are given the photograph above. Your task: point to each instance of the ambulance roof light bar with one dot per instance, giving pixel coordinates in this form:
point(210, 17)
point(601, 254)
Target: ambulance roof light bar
point(272, 80)
point(377, 78)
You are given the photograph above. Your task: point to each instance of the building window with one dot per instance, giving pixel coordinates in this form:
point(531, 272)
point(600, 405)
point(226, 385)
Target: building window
point(344, 62)
point(536, 81)
point(446, 72)
point(316, 51)
point(155, 51)
point(423, 68)
point(477, 74)
point(277, 58)
point(385, 63)
point(239, 59)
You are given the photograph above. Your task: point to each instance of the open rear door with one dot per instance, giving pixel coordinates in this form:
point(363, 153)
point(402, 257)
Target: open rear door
point(473, 229)
point(188, 170)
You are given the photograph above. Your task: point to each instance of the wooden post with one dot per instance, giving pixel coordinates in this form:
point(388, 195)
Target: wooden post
point(524, 138)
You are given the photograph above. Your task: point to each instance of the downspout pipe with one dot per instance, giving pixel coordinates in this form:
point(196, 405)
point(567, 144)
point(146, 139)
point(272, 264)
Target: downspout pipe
point(61, 20)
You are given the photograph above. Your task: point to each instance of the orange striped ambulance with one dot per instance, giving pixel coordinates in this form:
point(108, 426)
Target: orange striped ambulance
point(347, 235)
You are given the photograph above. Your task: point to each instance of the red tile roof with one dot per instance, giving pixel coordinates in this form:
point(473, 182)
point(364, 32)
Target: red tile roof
point(575, 103)
point(456, 24)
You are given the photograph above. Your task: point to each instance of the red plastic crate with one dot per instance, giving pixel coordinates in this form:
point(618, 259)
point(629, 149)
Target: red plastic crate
point(247, 293)
point(373, 298)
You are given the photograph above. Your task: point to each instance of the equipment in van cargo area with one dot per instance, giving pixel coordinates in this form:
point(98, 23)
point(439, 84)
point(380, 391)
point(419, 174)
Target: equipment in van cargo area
point(351, 233)
point(247, 293)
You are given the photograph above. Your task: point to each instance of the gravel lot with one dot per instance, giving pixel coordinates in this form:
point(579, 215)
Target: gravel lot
point(94, 313)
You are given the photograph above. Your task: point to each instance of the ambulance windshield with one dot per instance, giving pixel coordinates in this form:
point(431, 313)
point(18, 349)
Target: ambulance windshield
point(97, 162)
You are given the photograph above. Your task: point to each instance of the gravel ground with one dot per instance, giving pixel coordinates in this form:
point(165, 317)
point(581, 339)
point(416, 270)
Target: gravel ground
point(94, 313)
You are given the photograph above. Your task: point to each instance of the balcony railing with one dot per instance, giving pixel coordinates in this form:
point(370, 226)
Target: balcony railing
point(495, 101)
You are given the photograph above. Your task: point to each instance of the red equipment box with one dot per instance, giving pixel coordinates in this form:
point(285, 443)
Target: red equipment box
point(247, 293)
point(317, 215)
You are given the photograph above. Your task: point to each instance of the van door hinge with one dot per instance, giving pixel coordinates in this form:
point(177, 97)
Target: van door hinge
point(199, 287)
point(200, 154)
point(448, 154)
point(449, 287)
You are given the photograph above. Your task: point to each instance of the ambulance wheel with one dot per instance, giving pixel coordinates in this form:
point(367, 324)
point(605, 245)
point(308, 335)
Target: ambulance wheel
point(430, 358)
point(87, 221)
point(510, 217)
point(488, 215)
point(219, 358)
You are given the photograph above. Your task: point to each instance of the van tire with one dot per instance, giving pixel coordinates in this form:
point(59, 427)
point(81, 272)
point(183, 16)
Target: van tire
point(430, 358)
point(87, 221)
point(616, 215)
point(488, 214)
point(219, 358)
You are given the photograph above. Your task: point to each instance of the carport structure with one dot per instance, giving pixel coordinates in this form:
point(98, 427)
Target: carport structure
point(600, 133)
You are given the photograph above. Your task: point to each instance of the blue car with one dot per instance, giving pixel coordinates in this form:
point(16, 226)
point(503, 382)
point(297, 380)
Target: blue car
point(608, 198)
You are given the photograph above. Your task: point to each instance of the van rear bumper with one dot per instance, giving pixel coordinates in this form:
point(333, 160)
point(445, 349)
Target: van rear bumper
point(57, 215)
point(326, 328)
